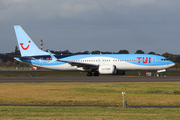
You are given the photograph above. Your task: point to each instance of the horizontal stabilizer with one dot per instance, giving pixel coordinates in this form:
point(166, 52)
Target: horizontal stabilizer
point(17, 56)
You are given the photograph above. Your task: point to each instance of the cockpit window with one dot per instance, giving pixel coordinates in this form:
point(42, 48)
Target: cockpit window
point(164, 59)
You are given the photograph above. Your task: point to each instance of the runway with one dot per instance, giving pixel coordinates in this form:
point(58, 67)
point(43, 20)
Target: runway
point(88, 79)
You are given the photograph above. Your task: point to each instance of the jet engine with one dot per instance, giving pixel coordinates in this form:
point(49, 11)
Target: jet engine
point(107, 69)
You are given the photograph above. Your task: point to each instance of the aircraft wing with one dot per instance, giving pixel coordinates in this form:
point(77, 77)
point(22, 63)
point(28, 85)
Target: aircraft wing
point(85, 66)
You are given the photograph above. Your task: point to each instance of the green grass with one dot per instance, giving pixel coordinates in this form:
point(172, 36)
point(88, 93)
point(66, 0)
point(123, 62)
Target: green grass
point(88, 113)
point(90, 93)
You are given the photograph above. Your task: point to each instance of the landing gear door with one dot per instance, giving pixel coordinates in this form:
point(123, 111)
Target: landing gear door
point(154, 61)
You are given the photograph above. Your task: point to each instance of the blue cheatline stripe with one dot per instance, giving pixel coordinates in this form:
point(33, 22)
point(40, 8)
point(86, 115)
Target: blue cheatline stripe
point(114, 56)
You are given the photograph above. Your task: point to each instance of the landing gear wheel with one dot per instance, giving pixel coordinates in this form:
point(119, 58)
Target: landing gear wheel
point(96, 74)
point(89, 74)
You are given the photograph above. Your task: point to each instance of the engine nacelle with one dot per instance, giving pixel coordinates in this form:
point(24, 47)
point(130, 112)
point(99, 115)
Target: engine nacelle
point(107, 69)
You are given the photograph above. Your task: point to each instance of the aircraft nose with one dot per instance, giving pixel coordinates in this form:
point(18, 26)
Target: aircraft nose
point(172, 63)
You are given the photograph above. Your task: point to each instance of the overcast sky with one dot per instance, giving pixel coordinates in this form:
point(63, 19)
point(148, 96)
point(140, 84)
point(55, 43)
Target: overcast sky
point(87, 25)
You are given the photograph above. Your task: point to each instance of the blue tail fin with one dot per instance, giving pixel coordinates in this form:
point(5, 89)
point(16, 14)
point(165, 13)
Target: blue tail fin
point(26, 45)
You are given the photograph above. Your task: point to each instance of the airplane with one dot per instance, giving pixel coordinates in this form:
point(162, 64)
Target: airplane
point(112, 64)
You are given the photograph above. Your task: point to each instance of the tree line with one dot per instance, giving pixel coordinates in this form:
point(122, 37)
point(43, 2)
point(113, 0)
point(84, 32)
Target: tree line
point(7, 61)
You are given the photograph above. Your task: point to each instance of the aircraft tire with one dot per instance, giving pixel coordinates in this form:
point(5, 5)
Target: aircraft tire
point(89, 74)
point(96, 74)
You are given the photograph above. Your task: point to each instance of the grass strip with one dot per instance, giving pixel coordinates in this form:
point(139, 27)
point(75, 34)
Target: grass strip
point(91, 93)
point(88, 113)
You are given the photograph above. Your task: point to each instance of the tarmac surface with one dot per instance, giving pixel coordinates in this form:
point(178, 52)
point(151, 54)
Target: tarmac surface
point(89, 79)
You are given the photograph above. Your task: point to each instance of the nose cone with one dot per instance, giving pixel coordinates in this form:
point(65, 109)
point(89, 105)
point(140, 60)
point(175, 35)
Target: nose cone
point(171, 63)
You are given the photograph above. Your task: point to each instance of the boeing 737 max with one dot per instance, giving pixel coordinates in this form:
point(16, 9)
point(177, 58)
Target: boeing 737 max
point(115, 64)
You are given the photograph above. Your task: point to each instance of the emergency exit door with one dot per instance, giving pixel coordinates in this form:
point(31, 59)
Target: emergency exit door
point(154, 60)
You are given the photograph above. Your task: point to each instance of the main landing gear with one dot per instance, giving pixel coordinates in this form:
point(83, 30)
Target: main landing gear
point(95, 74)
point(89, 74)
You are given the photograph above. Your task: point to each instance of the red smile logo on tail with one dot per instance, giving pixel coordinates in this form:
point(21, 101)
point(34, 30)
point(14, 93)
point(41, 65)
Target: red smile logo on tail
point(23, 47)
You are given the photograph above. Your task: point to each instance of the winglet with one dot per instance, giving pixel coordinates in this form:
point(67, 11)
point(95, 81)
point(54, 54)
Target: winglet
point(52, 56)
